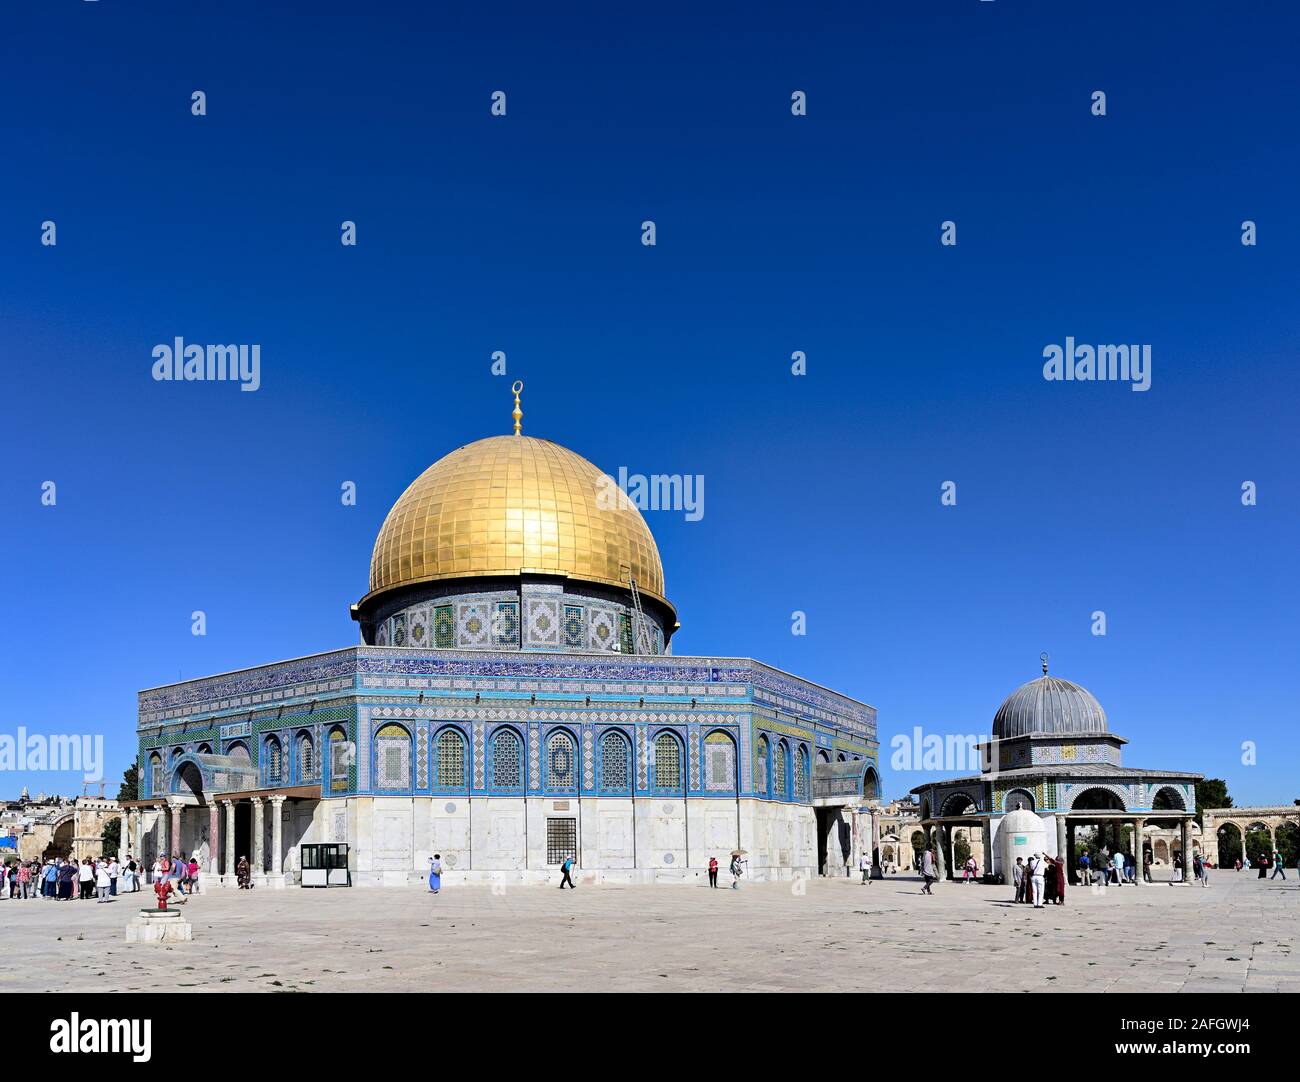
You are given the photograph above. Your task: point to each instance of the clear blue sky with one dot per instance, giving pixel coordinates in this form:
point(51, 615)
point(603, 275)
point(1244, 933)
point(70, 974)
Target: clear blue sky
point(775, 234)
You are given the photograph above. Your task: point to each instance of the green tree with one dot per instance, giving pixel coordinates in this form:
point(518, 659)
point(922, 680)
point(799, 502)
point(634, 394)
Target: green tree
point(1229, 847)
point(960, 850)
point(1211, 793)
point(130, 787)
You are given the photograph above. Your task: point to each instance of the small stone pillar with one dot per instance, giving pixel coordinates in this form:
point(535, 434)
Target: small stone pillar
point(160, 830)
point(1138, 824)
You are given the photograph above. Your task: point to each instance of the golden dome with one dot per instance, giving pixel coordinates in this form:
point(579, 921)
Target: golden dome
point(507, 505)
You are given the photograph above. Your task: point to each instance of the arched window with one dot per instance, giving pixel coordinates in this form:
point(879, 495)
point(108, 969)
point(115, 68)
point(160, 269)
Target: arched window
point(239, 751)
point(393, 758)
point(274, 761)
point(761, 770)
point(824, 757)
point(801, 774)
point(340, 753)
point(306, 757)
point(203, 749)
point(561, 772)
point(156, 784)
point(668, 762)
point(451, 759)
point(719, 763)
point(780, 767)
point(507, 760)
point(615, 762)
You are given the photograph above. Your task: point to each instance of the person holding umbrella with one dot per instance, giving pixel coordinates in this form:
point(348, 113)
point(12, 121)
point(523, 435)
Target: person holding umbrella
point(737, 867)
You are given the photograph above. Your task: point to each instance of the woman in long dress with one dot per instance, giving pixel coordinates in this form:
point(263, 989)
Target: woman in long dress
point(243, 874)
point(435, 872)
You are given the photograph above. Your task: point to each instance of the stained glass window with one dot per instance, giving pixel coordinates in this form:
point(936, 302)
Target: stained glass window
point(615, 767)
point(719, 762)
point(801, 775)
point(451, 759)
point(668, 762)
point(507, 760)
point(625, 633)
point(559, 761)
point(760, 774)
point(156, 774)
point(779, 767)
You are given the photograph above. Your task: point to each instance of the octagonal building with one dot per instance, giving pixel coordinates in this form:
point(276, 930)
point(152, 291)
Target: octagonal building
point(514, 700)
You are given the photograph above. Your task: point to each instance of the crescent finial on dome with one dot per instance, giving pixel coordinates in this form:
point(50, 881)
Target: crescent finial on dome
point(518, 414)
point(1043, 658)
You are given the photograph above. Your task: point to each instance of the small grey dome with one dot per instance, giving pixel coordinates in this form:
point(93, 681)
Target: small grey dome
point(1051, 706)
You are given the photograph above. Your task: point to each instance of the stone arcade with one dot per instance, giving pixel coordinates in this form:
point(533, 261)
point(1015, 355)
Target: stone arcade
point(514, 700)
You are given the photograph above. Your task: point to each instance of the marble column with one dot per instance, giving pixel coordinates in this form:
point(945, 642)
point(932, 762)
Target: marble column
point(277, 839)
point(940, 856)
point(1138, 824)
point(160, 829)
point(214, 837)
point(876, 871)
point(259, 838)
point(1187, 850)
point(230, 839)
point(1062, 850)
point(986, 836)
point(176, 828)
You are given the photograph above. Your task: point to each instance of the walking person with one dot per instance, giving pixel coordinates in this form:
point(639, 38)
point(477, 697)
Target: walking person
point(566, 878)
point(713, 871)
point(1146, 867)
point(1085, 868)
point(114, 872)
point(244, 874)
point(864, 865)
point(1278, 868)
point(927, 871)
point(435, 873)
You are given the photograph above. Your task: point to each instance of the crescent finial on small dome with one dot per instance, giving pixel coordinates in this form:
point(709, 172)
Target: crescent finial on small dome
point(1043, 658)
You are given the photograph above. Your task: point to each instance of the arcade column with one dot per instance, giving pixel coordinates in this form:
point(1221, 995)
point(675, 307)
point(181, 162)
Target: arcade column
point(259, 841)
point(176, 828)
point(214, 835)
point(1138, 824)
point(230, 842)
point(276, 878)
point(876, 871)
point(160, 841)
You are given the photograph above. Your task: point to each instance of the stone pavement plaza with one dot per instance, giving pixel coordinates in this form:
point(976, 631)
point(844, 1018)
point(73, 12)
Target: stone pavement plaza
point(837, 935)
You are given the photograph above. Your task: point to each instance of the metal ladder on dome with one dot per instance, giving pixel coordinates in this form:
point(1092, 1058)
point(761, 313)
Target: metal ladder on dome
point(642, 639)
